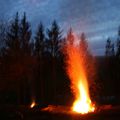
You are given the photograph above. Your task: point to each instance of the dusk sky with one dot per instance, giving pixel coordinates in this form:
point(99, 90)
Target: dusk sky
point(97, 18)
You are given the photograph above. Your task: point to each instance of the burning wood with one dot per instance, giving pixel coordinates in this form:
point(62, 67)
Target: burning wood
point(76, 71)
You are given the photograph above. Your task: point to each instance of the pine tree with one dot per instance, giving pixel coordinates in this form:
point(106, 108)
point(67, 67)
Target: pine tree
point(26, 58)
point(39, 41)
point(118, 44)
point(53, 39)
point(84, 49)
point(70, 37)
point(25, 35)
point(113, 50)
point(38, 52)
point(53, 47)
point(12, 39)
point(109, 48)
point(66, 41)
point(19, 59)
point(83, 44)
point(12, 54)
point(3, 28)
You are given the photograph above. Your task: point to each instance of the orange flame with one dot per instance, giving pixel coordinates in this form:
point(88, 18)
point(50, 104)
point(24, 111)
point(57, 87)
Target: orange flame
point(79, 84)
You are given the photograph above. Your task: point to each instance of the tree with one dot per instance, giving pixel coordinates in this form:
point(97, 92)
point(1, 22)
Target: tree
point(53, 46)
point(12, 54)
point(113, 50)
point(53, 39)
point(12, 39)
point(25, 35)
point(118, 44)
point(3, 28)
point(109, 48)
point(18, 59)
point(70, 37)
point(117, 64)
point(38, 52)
point(26, 58)
point(83, 44)
point(84, 50)
point(67, 42)
point(39, 41)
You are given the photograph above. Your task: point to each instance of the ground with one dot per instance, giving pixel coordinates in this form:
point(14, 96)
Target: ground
point(25, 113)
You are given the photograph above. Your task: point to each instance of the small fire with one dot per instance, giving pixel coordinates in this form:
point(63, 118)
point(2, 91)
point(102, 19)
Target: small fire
point(32, 104)
point(77, 74)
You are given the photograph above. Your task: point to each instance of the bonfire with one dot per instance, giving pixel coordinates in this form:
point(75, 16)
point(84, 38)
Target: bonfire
point(75, 58)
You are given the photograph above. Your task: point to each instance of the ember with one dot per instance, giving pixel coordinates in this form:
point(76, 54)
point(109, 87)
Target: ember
point(32, 104)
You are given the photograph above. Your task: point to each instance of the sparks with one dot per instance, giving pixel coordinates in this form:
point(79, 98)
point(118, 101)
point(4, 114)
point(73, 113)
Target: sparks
point(77, 74)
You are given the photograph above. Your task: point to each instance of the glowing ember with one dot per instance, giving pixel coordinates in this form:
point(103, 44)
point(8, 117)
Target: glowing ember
point(32, 104)
point(77, 73)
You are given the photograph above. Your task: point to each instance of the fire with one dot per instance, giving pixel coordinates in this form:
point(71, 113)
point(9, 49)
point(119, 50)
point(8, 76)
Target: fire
point(32, 104)
point(83, 103)
point(77, 74)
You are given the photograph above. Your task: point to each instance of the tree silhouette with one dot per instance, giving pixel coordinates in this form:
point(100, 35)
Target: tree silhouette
point(109, 48)
point(18, 56)
point(39, 41)
point(25, 35)
point(39, 52)
point(70, 37)
point(26, 58)
point(12, 40)
point(53, 39)
point(3, 28)
point(117, 64)
point(84, 45)
point(118, 44)
point(113, 50)
point(53, 47)
point(68, 40)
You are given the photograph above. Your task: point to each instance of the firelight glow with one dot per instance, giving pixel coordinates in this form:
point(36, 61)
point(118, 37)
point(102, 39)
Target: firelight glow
point(79, 85)
point(32, 105)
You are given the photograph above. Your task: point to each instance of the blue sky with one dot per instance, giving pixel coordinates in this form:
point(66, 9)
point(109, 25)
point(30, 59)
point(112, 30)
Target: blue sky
point(97, 18)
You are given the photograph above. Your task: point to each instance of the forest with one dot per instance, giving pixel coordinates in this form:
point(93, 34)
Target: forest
point(32, 66)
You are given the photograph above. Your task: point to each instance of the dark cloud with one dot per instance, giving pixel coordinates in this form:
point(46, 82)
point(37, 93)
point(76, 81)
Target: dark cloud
point(97, 18)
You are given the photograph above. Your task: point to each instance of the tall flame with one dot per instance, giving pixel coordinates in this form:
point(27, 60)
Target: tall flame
point(77, 74)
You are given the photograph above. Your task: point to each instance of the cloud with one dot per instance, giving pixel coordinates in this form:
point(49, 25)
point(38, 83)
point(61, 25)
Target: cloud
point(98, 19)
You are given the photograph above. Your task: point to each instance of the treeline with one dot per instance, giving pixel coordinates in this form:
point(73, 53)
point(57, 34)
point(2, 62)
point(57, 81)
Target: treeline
point(32, 66)
point(109, 69)
point(112, 47)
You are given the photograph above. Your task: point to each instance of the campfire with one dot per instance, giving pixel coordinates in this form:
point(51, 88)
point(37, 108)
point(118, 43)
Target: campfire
point(74, 60)
point(79, 85)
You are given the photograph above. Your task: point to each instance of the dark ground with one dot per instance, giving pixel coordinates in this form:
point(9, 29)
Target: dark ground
point(25, 113)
